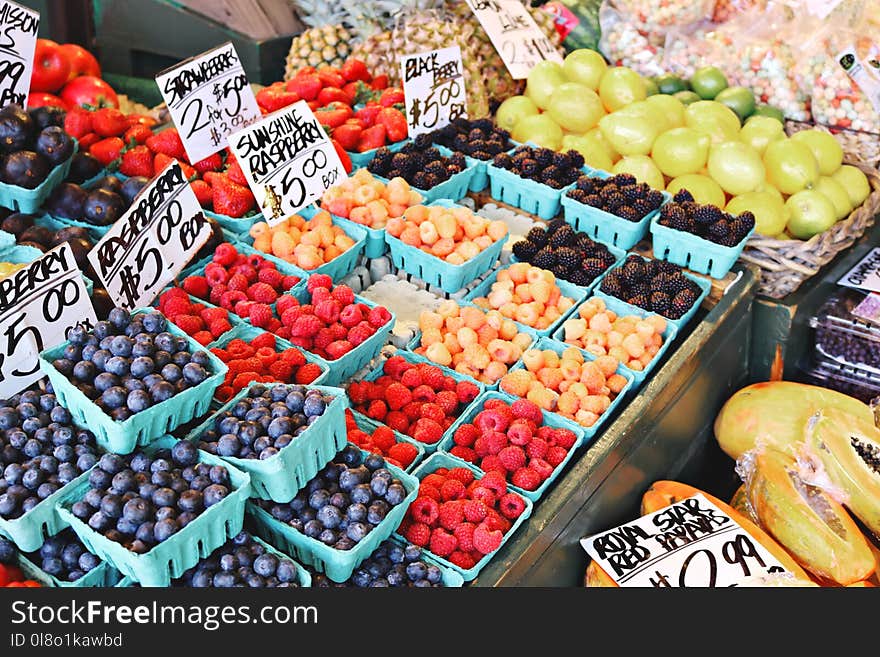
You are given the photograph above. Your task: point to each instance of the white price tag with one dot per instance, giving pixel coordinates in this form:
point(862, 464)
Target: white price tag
point(38, 306)
point(860, 73)
point(515, 35)
point(209, 97)
point(18, 39)
point(288, 161)
point(433, 85)
point(689, 544)
point(152, 242)
point(866, 274)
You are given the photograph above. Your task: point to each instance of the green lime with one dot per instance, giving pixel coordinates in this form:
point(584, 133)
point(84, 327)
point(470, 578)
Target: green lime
point(708, 82)
point(669, 84)
point(651, 87)
point(739, 99)
point(769, 110)
point(686, 97)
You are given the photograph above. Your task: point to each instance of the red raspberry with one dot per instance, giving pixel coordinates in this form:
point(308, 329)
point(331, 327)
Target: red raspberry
point(232, 297)
point(442, 543)
point(464, 475)
point(512, 458)
point(487, 541)
point(556, 455)
point(397, 396)
point(511, 506)
point(225, 254)
point(523, 408)
point(177, 306)
point(485, 495)
point(411, 378)
point(520, 433)
point(462, 559)
point(448, 401)
point(219, 327)
point(281, 371)
point(433, 412)
point(189, 324)
point(271, 277)
point(383, 438)
point(243, 309)
point(432, 376)
point(494, 419)
point(360, 334)
point(475, 511)
point(319, 280)
point(204, 338)
point(288, 282)
point(262, 293)
point(464, 453)
point(217, 292)
point(492, 462)
point(213, 314)
point(263, 340)
point(322, 294)
point(495, 482)
point(464, 533)
point(451, 514)
point(481, 447)
point(289, 317)
point(424, 510)
point(413, 411)
point(260, 314)
point(243, 379)
point(426, 431)
point(426, 490)
point(238, 282)
point(541, 467)
point(452, 489)
point(377, 410)
point(323, 338)
point(328, 311)
point(564, 438)
point(343, 294)
point(339, 331)
point(197, 286)
point(379, 316)
point(546, 433)
point(397, 421)
point(285, 302)
point(248, 271)
point(338, 349)
point(526, 478)
point(306, 326)
point(216, 275)
point(419, 534)
point(350, 316)
point(466, 435)
point(537, 448)
point(424, 393)
point(495, 442)
point(495, 521)
point(308, 373)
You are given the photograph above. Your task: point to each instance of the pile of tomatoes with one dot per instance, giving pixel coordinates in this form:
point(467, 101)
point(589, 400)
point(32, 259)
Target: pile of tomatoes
point(67, 75)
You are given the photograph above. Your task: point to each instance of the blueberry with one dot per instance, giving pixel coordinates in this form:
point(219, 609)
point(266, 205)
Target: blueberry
point(124, 481)
point(161, 358)
point(111, 506)
point(194, 373)
point(142, 366)
point(125, 526)
point(93, 497)
point(328, 537)
point(172, 373)
point(295, 401)
point(181, 345)
point(412, 553)
point(84, 371)
point(228, 445)
point(283, 441)
point(119, 318)
point(191, 501)
point(111, 464)
point(313, 406)
point(32, 448)
point(29, 504)
point(351, 456)
point(184, 453)
point(121, 346)
point(356, 513)
point(145, 532)
point(340, 500)
point(395, 495)
point(330, 516)
point(164, 497)
point(377, 511)
point(88, 351)
point(138, 401)
point(166, 512)
point(361, 578)
point(356, 531)
point(319, 499)
point(396, 578)
point(134, 329)
point(165, 342)
point(99, 522)
point(214, 494)
point(8, 504)
point(140, 462)
point(71, 554)
point(361, 494)
point(181, 359)
point(72, 353)
point(416, 570)
point(131, 384)
point(137, 510)
point(32, 478)
point(16, 438)
point(47, 489)
point(7, 551)
point(151, 380)
point(31, 425)
point(100, 479)
point(67, 472)
point(53, 566)
point(143, 349)
point(219, 475)
point(105, 380)
point(13, 473)
point(100, 358)
point(266, 565)
point(179, 484)
point(379, 486)
point(279, 426)
point(105, 343)
point(349, 478)
point(374, 462)
point(52, 547)
point(202, 358)
point(261, 443)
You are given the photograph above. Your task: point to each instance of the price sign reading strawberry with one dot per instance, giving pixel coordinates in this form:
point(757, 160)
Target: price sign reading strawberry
point(288, 161)
point(152, 242)
point(39, 304)
point(18, 40)
point(433, 85)
point(209, 97)
point(515, 35)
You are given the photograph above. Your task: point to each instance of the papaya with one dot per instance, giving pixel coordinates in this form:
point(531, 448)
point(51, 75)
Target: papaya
point(740, 502)
point(597, 577)
point(663, 493)
point(814, 528)
point(849, 451)
point(775, 413)
point(863, 584)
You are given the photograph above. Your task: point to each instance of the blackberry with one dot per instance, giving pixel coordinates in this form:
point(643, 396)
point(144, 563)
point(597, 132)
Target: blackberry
point(544, 156)
point(399, 160)
point(583, 242)
point(545, 259)
point(640, 300)
point(561, 160)
point(681, 303)
point(503, 161)
point(421, 180)
point(668, 267)
point(594, 199)
point(676, 283)
point(623, 179)
point(614, 201)
point(594, 267)
point(632, 272)
point(560, 271)
point(628, 212)
point(611, 285)
point(481, 155)
point(537, 236)
point(457, 160)
point(683, 195)
point(748, 221)
point(382, 158)
point(568, 258)
point(654, 197)
point(707, 214)
point(460, 143)
point(643, 287)
point(731, 240)
point(606, 256)
point(475, 135)
point(651, 268)
point(550, 173)
point(529, 168)
point(576, 160)
point(423, 141)
point(391, 173)
point(555, 224)
point(607, 190)
point(525, 250)
point(631, 192)
point(642, 207)
point(660, 302)
point(719, 230)
point(578, 195)
point(563, 236)
point(554, 183)
point(438, 169)
point(585, 183)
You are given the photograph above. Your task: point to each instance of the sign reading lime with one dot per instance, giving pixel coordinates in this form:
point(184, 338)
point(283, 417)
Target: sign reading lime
point(708, 81)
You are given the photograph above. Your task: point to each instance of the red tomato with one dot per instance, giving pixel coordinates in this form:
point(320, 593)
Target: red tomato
point(82, 62)
point(89, 90)
point(42, 99)
point(51, 67)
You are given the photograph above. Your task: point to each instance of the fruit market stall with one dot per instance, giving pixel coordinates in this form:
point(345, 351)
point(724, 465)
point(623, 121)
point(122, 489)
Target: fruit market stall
point(433, 355)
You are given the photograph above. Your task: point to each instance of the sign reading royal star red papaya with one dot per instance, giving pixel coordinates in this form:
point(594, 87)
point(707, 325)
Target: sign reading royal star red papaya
point(689, 544)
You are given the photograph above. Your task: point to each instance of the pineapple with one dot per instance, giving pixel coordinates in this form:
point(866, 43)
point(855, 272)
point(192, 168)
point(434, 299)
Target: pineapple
point(326, 42)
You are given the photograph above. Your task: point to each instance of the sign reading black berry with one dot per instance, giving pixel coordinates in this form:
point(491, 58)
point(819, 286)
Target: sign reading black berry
point(18, 40)
point(39, 304)
point(288, 161)
point(434, 89)
point(209, 97)
point(692, 543)
point(515, 35)
point(152, 242)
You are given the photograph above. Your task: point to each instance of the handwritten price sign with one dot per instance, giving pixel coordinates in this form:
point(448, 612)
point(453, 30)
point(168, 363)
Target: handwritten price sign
point(288, 161)
point(38, 306)
point(692, 543)
point(515, 35)
point(433, 85)
point(152, 242)
point(18, 39)
point(209, 97)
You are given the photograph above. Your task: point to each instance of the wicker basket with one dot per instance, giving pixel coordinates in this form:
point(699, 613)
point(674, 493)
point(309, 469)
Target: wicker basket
point(785, 264)
point(859, 146)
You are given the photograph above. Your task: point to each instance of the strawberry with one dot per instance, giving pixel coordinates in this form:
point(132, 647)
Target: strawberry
point(308, 86)
point(107, 150)
point(343, 156)
point(391, 97)
point(230, 199)
point(355, 70)
point(328, 95)
point(379, 82)
point(140, 119)
point(330, 77)
point(203, 192)
point(368, 114)
point(273, 98)
point(211, 163)
point(160, 161)
point(314, 105)
point(348, 135)
point(137, 161)
point(394, 122)
point(168, 143)
point(235, 173)
point(86, 141)
point(334, 115)
point(372, 138)
point(109, 122)
point(137, 134)
point(189, 172)
point(78, 122)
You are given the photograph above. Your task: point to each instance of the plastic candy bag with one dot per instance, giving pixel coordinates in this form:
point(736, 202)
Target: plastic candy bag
point(624, 43)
